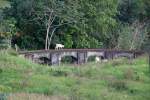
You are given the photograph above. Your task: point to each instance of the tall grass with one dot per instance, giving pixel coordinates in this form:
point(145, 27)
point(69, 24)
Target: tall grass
point(102, 81)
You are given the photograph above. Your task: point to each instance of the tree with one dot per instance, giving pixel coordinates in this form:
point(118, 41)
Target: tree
point(55, 13)
point(99, 19)
point(133, 36)
point(47, 22)
point(131, 10)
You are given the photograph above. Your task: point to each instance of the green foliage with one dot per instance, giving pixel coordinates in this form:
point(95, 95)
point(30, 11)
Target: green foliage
point(131, 10)
point(85, 41)
point(68, 40)
point(7, 31)
point(93, 18)
point(7, 28)
point(96, 22)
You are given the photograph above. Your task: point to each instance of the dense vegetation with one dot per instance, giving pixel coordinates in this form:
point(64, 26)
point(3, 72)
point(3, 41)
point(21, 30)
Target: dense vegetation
point(115, 80)
point(39, 24)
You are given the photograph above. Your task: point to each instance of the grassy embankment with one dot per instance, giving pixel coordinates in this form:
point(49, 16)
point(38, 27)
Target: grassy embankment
point(115, 80)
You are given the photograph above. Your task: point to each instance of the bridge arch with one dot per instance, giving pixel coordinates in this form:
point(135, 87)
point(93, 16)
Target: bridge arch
point(69, 57)
point(127, 55)
point(92, 55)
point(44, 60)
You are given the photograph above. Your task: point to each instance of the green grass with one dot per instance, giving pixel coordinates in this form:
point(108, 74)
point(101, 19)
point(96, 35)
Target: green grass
point(116, 80)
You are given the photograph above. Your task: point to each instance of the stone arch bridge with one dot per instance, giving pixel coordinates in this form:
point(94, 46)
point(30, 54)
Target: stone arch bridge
point(80, 56)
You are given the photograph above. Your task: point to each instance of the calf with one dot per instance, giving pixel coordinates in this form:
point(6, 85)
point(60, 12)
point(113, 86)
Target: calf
point(97, 59)
point(59, 46)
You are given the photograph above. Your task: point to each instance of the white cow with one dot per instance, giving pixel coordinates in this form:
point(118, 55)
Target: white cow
point(59, 46)
point(97, 59)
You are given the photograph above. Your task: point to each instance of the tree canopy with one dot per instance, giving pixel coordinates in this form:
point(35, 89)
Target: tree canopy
point(39, 24)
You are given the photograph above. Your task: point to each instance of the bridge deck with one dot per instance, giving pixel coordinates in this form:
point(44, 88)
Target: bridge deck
point(54, 56)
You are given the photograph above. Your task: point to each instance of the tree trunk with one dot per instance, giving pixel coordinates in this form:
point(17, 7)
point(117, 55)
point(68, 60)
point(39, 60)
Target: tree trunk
point(46, 40)
point(50, 39)
point(50, 22)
